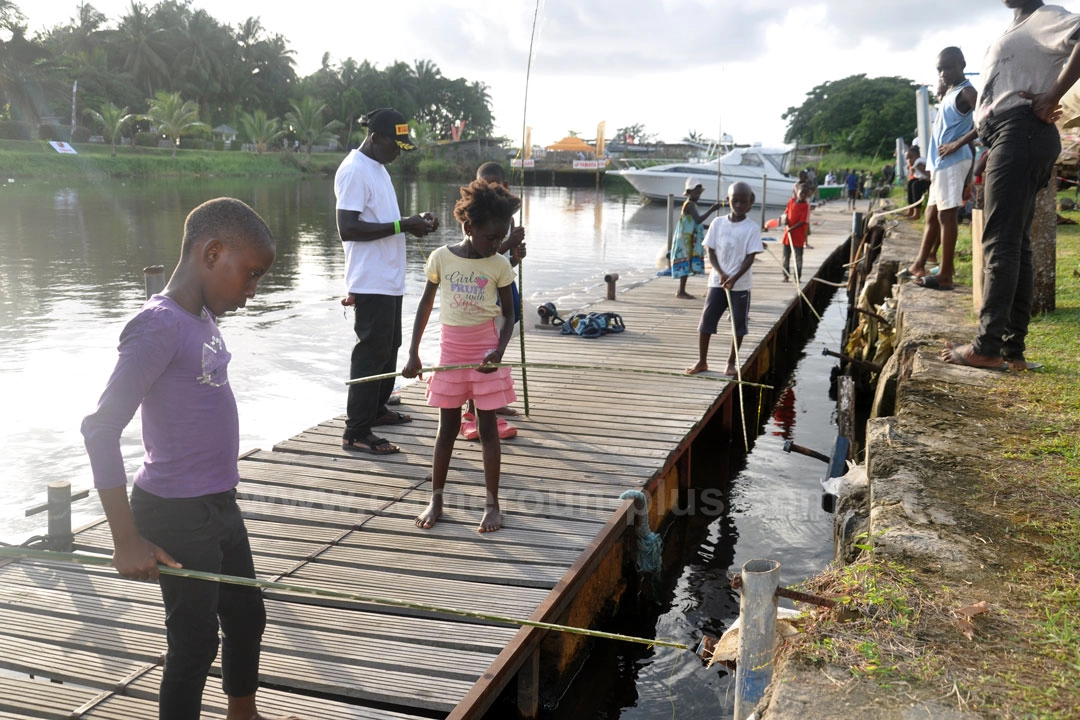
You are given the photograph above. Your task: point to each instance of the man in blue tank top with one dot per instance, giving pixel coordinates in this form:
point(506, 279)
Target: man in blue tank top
point(949, 161)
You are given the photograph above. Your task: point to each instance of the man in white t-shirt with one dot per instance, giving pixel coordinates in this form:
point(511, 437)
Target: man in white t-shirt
point(372, 233)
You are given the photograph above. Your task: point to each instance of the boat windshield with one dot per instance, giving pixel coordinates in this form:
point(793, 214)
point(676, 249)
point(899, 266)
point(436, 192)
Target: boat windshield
point(782, 161)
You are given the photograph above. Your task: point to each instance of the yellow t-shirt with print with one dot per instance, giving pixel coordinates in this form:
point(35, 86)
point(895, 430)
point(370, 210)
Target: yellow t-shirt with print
point(468, 289)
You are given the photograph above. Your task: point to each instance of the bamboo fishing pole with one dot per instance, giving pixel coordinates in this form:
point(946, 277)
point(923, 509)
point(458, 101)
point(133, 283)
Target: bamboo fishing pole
point(556, 366)
point(521, 214)
point(21, 553)
point(738, 368)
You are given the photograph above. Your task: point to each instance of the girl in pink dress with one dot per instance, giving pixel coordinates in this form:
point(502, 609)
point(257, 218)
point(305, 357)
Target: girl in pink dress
point(476, 310)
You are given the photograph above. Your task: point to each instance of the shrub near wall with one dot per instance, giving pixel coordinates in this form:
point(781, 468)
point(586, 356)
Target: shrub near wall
point(146, 139)
point(57, 133)
point(15, 130)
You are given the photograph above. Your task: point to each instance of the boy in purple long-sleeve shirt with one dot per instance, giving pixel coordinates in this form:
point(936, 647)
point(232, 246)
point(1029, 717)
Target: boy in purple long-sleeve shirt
point(183, 512)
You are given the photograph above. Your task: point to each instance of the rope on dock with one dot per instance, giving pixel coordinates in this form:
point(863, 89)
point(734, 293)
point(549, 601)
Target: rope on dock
point(17, 553)
point(556, 366)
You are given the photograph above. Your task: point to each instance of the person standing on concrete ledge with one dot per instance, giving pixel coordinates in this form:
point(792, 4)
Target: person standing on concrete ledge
point(949, 160)
point(1028, 69)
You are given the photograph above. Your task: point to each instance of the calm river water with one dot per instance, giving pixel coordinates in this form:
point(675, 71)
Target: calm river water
point(71, 260)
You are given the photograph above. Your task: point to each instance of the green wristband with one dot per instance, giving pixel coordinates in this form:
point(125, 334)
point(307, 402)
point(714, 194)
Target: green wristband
point(397, 226)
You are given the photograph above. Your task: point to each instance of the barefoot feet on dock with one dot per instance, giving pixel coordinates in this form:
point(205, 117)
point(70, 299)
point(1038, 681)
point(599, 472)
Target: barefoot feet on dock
point(431, 514)
point(492, 519)
point(696, 368)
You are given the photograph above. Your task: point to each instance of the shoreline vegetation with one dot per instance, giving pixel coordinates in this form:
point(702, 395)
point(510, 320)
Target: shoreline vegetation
point(36, 159)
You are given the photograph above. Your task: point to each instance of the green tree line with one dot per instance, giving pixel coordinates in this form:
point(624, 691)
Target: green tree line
point(857, 115)
point(202, 73)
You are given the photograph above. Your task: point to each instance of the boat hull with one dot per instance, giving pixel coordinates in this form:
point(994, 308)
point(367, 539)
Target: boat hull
point(657, 185)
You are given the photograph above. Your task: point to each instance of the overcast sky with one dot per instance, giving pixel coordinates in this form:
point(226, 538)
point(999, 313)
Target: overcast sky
point(672, 65)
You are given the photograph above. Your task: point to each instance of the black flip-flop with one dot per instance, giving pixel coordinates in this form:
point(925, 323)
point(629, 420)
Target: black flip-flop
point(370, 445)
point(1024, 365)
point(932, 282)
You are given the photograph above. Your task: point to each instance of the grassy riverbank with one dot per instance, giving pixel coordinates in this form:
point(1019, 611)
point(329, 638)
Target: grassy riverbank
point(911, 632)
point(20, 159)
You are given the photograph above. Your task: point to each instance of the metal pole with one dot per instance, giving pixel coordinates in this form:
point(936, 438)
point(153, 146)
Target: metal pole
point(757, 633)
point(856, 236)
point(670, 225)
point(59, 501)
point(154, 279)
point(764, 194)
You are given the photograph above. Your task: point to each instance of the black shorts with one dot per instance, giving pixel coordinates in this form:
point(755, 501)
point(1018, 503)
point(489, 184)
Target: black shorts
point(715, 305)
point(852, 194)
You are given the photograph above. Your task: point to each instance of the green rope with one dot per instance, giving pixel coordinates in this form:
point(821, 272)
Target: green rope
point(555, 366)
point(17, 553)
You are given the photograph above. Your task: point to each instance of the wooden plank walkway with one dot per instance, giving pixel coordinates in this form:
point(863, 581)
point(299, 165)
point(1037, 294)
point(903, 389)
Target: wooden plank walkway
point(321, 517)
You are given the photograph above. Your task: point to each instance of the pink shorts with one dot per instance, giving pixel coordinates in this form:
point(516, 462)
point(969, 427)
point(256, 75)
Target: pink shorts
point(452, 388)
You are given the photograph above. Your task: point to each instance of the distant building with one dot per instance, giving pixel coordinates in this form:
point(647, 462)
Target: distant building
point(224, 133)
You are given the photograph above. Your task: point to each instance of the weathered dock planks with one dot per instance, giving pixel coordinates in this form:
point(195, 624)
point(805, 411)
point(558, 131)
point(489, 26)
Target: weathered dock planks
point(321, 517)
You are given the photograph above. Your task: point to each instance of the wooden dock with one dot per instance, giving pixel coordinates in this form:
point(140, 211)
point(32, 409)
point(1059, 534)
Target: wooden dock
point(321, 517)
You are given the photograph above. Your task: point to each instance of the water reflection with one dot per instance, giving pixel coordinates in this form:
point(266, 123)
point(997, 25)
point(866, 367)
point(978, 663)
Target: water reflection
point(71, 260)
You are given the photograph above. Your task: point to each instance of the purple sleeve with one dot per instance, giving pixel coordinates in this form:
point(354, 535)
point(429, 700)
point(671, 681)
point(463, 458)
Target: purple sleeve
point(147, 346)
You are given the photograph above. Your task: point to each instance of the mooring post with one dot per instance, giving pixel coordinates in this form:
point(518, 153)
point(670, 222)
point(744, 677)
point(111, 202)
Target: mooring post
point(845, 409)
point(764, 194)
point(528, 687)
point(154, 279)
point(856, 236)
point(60, 538)
point(757, 633)
point(611, 279)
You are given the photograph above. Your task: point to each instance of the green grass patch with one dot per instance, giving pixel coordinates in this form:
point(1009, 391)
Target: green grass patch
point(37, 159)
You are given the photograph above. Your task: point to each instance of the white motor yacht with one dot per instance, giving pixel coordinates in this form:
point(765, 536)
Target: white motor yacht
point(755, 165)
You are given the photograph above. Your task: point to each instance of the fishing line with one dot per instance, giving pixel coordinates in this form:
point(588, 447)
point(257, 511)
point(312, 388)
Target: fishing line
point(16, 553)
point(556, 366)
point(799, 290)
point(521, 214)
point(738, 368)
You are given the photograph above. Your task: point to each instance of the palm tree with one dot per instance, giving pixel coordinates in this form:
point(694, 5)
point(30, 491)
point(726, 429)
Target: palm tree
point(305, 121)
point(144, 48)
point(174, 117)
point(261, 130)
point(112, 120)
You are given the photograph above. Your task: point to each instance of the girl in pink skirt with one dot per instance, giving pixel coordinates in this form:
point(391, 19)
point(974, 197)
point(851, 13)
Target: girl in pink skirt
point(477, 314)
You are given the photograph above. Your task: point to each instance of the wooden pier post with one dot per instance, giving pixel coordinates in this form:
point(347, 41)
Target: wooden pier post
point(528, 687)
point(154, 279)
point(60, 537)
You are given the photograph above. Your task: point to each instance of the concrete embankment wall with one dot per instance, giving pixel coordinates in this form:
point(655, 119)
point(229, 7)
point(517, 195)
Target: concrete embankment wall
point(920, 447)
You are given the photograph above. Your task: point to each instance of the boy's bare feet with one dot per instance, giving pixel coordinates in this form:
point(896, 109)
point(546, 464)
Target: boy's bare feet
point(492, 519)
point(730, 370)
point(684, 296)
point(506, 410)
point(427, 519)
point(698, 367)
